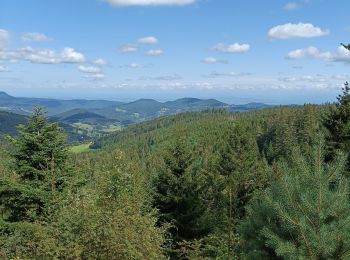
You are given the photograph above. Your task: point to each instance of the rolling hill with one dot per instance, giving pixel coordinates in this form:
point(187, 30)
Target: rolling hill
point(97, 117)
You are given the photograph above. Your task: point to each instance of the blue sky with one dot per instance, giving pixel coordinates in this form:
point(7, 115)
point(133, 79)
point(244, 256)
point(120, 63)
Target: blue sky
point(237, 51)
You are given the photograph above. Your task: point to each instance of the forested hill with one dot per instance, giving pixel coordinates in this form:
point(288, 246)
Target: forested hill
point(277, 121)
point(267, 184)
point(123, 112)
point(9, 122)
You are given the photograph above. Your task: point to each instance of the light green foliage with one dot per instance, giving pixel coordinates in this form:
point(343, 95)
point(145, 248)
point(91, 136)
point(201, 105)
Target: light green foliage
point(80, 148)
point(110, 218)
point(305, 214)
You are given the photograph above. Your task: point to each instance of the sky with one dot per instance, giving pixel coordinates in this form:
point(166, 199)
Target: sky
point(237, 51)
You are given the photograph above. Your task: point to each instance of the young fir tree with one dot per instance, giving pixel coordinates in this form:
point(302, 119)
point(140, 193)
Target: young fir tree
point(305, 214)
point(40, 154)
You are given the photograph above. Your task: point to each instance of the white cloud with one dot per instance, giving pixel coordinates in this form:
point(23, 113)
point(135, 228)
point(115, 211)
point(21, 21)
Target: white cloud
point(128, 48)
point(100, 62)
point(232, 48)
point(157, 52)
point(340, 55)
point(226, 74)
point(95, 77)
point(299, 30)
point(148, 40)
point(291, 6)
point(35, 37)
point(67, 55)
point(124, 3)
point(135, 66)
point(89, 69)
point(212, 60)
point(165, 78)
point(4, 69)
point(4, 38)
point(305, 78)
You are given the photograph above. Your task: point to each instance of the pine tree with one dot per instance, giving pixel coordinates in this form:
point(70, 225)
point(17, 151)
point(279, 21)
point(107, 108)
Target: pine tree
point(305, 214)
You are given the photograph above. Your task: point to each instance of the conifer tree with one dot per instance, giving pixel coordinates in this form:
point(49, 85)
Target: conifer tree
point(239, 164)
point(177, 191)
point(337, 123)
point(40, 154)
point(305, 214)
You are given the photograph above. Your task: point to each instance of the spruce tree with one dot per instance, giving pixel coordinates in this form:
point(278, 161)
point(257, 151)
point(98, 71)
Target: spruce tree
point(240, 167)
point(337, 122)
point(40, 154)
point(177, 191)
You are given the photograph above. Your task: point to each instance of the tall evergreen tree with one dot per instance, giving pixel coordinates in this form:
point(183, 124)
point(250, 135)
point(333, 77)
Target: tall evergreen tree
point(337, 122)
point(40, 154)
point(177, 191)
point(239, 164)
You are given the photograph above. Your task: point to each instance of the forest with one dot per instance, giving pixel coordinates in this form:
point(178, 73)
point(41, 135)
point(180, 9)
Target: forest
point(268, 184)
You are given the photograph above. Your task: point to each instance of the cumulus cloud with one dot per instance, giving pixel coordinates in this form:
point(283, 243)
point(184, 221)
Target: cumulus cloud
point(148, 40)
point(4, 38)
point(156, 52)
point(89, 69)
point(4, 69)
point(299, 30)
point(100, 62)
point(231, 48)
point(291, 6)
point(128, 48)
point(212, 60)
point(67, 55)
point(35, 37)
point(340, 55)
point(125, 3)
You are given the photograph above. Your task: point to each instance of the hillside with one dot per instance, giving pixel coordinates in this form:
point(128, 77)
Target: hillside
point(9, 122)
point(98, 117)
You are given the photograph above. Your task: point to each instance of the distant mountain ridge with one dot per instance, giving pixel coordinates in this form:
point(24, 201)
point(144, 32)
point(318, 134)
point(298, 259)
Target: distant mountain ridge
point(100, 116)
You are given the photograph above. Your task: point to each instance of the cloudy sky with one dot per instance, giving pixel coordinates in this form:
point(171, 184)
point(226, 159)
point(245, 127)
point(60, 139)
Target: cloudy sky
point(237, 51)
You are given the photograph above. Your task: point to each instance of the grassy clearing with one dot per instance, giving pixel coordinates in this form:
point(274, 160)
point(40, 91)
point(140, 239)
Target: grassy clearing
point(80, 148)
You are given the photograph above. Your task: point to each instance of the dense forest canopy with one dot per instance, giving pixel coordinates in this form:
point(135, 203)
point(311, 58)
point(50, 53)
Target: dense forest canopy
point(269, 184)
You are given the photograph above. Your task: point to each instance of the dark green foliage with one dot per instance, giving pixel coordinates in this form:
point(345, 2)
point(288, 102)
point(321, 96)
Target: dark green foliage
point(303, 215)
point(40, 170)
point(41, 151)
point(177, 191)
point(9, 122)
point(209, 185)
point(337, 122)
